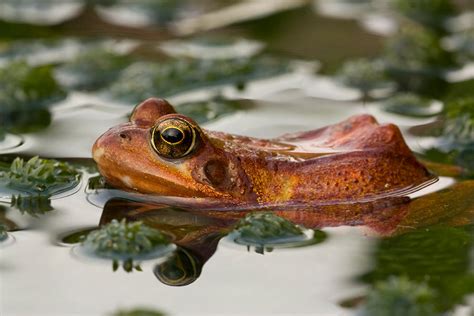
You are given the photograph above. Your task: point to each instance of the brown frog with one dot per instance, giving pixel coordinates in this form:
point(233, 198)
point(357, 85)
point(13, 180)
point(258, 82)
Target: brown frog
point(162, 152)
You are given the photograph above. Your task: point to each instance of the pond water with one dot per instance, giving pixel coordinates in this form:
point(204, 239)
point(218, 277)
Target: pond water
point(256, 70)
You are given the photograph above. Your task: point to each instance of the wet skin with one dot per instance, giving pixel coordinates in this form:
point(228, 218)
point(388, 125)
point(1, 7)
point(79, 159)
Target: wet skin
point(161, 152)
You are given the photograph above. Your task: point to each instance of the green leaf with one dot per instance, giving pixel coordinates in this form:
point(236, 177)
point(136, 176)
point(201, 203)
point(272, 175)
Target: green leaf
point(204, 111)
point(145, 79)
point(398, 296)
point(38, 176)
point(431, 13)
point(3, 232)
point(32, 205)
point(92, 70)
point(123, 242)
point(438, 256)
point(410, 104)
point(266, 227)
point(138, 312)
point(26, 94)
point(364, 74)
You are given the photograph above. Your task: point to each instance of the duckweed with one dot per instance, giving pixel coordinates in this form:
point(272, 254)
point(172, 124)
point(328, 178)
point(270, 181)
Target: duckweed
point(436, 255)
point(138, 312)
point(92, 70)
point(124, 242)
point(34, 204)
point(40, 176)
point(364, 74)
point(3, 232)
point(416, 49)
point(266, 227)
point(400, 296)
point(204, 111)
point(430, 13)
point(144, 79)
point(459, 122)
point(464, 45)
point(25, 95)
point(411, 105)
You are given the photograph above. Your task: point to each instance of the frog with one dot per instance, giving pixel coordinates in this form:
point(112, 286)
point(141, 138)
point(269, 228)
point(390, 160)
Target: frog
point(160, 152)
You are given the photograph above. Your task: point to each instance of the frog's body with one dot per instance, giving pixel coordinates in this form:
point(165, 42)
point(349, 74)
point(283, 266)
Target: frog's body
point(355, 160)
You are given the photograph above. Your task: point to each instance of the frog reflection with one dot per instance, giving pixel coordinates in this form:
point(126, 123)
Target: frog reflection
point(198, 232)
point(196, 236)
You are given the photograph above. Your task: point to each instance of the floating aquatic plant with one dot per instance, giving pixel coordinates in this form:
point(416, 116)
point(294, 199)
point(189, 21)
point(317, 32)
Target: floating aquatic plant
point(416, 49)
point(96, 183)
point(265, 230)
point(138, 312)
point(33, 204)
point(3, 232)
point(92, 70)
point(25, 95)
point(364, 75)
point(157, 12)
point(411, 104)
point(204, 111)
point(416, 60)
point(459, 121)
point(463, 44)
point(436, 255)
point(431, 13)
point(144, 79)
point(264, 227)
point(45, 177)
point(398, 296)
point(125, 242)
point(455, 134)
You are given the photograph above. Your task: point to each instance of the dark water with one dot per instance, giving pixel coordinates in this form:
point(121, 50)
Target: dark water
point(69, 75)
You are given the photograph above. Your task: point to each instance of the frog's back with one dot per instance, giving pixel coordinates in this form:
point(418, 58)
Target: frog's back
point(355, 160)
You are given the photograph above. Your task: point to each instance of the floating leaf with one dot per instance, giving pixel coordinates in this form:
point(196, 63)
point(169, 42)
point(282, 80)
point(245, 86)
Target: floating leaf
point(204, 111)
point(125, 242)
point(463, 44)
point(416, 49)
point(416, 60)
point(265, 230)
point(412, 105)
point(455, 133)
point(263, 227)
point(3, 232)
point(33, 205)
point(430, 13)
point(25, 95)
point(437, 255)
point(459, 122)
point(157, 12)
point(364, 74)
point(40, 176)
point(138, 312)
point(398, 296)
point(92, 70)
point(142, 80)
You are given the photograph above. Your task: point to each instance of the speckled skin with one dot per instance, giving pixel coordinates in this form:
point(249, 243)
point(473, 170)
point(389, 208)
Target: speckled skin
point(355, 160)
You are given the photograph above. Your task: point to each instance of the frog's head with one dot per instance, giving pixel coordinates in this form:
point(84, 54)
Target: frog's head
point(165, 153)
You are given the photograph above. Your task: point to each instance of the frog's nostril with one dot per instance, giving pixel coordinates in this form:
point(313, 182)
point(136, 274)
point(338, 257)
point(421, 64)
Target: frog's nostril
point(124, 136)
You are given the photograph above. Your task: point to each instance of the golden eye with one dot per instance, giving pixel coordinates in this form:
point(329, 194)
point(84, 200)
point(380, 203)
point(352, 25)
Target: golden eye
point(173, 138)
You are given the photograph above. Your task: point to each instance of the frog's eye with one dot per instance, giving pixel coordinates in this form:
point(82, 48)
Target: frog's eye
point(173, 138)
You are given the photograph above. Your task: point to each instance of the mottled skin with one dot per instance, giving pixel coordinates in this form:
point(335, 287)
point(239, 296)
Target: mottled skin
point(355, 160)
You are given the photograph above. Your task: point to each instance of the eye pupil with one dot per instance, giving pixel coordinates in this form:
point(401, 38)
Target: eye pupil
point(172, 135)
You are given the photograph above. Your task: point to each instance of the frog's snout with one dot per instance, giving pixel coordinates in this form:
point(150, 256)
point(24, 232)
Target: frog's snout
point(100, 146)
